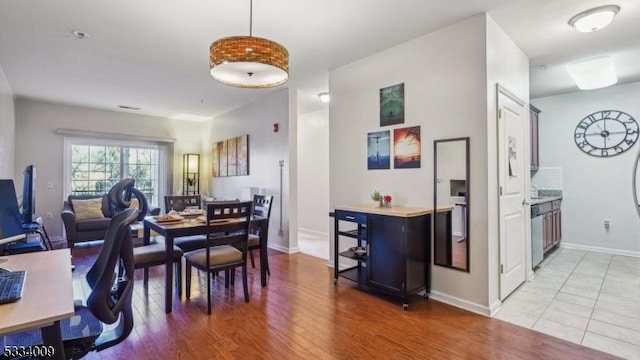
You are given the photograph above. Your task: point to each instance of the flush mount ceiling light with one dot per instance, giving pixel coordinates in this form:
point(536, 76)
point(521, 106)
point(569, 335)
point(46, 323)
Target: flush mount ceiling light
point(593, 73)
point(324, 97)
point(594, 19)
point(248, 61)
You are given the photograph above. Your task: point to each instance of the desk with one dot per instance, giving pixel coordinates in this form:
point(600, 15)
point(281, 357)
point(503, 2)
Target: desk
point(47, 296)
point(190, 227)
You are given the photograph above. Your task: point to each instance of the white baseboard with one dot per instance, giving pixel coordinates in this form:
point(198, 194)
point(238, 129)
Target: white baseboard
point(283, 249)
point(314, 232)
point(600, 249)
point(464, 304)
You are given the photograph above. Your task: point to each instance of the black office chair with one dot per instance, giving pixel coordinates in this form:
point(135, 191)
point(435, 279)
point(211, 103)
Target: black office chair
point(120, 194)
point(111, 282)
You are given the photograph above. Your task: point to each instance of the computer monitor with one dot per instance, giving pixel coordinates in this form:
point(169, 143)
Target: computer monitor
point(10, 221)
point(28, 194)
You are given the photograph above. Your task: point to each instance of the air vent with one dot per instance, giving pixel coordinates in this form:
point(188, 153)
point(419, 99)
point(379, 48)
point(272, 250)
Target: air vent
point(134, 108)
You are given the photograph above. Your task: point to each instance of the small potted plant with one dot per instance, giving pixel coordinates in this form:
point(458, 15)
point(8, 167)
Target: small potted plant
point(387, 200)
point(377, 197)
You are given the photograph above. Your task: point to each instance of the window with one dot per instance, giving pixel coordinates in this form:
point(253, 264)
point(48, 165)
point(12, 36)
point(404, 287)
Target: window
point(96, 165)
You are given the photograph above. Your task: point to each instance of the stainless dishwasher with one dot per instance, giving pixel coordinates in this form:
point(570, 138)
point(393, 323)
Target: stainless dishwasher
point(537, 239)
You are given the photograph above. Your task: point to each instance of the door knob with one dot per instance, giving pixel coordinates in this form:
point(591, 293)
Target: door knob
point(525, 202)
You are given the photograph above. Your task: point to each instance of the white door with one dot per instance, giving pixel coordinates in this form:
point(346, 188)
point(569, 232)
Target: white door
point(512, 122)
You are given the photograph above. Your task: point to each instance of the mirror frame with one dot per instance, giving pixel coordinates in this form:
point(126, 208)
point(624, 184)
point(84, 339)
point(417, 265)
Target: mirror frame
point(467, 197)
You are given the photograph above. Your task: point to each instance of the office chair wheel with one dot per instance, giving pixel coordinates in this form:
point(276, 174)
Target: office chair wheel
point(405, 306)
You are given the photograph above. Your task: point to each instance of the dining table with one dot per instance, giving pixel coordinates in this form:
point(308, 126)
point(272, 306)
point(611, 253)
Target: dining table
point(197, 225)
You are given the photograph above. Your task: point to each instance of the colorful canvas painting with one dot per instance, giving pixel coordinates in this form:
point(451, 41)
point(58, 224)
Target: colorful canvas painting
point(215, 161)
point(406, 148)
point(231, 157)
point(378, 150)
point(232, 169)
point(392, 105)
point(243, 154)
point(223, 158)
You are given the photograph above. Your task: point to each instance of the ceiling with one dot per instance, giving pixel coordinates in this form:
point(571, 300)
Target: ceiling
point(155, 57)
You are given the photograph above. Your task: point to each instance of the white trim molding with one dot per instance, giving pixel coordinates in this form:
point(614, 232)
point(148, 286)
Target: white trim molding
point(466, 305)
point(283, 249)
point(113, 136)
point(600, 249)
point(314, 232)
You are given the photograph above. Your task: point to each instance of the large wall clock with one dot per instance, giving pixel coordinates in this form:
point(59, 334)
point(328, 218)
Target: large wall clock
point(606, 133)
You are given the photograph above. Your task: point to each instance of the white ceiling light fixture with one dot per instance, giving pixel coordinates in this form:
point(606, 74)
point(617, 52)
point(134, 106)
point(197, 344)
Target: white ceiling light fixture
point(593, 73)
point(324, 97)
point(594, 19)
point(248, 61)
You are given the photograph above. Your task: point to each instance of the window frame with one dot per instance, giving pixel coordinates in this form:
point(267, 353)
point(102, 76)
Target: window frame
point(164, 165)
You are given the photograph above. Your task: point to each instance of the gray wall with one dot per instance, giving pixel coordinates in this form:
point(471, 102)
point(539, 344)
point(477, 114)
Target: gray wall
point(313, 172)
point(266, 149)
point(37, 143)
point(594, 188)
point(444, 76)
point(450, 78)
point(7, 128)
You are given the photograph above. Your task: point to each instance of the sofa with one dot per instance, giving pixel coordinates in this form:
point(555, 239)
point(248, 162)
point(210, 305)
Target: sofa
point(93, 221)
point(85, 229)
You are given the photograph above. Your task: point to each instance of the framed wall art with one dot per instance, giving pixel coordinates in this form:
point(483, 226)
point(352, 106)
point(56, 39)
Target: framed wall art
point(406, 148)
point(392, 105)
point(379, 150)
point(230, 157)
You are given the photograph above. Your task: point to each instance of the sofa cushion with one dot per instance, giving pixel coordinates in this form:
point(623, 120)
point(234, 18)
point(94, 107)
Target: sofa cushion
point(106, 210)
point(88, 208)
point(93, 224)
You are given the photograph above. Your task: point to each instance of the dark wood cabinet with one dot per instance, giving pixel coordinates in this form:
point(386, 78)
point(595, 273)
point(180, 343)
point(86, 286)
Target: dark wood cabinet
point(552, 226)
point(397, 246)
point(535, 152)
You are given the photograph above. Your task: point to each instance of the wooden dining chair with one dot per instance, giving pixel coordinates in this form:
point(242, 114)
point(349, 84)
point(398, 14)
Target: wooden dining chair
point(226, 245)
point(181, 202)
point(153, 255)
point(261, 208)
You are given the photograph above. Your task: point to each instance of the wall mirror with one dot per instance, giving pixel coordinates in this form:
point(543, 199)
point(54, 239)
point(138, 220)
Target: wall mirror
point(451, 199)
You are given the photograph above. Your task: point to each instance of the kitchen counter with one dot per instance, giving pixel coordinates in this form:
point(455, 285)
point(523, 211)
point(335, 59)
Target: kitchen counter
point(544, 199)
point(391, 211)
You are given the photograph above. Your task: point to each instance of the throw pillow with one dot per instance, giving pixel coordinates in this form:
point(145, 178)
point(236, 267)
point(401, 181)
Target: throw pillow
point(88, 209)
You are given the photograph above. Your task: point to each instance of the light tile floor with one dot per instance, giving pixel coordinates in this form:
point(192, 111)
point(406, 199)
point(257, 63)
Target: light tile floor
point(588, 298)
point(313, 244)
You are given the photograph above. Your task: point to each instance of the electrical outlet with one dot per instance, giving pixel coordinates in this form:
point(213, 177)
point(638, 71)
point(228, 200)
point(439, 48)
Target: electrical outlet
point(50, 185)
point(50, 215)
point(606, 223)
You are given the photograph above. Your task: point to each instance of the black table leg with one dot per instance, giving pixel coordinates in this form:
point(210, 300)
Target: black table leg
point(264, 260)
point(52, 336)
point(168, 285)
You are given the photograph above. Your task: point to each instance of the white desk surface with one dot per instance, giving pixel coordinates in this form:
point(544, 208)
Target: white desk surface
point(48, 291)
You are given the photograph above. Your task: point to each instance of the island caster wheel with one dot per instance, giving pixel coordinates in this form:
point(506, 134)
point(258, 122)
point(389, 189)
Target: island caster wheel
point(405, 306)
point(335, 281)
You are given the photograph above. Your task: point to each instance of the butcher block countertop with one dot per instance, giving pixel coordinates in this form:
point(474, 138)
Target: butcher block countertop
point(399, 211)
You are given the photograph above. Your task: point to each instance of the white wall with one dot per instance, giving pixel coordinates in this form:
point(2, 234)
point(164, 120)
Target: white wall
point(313, 171)
point(266, 149)
point(7, 129)
point(37, 143)
point(508, 66)
point(594, 188)
point(446, 94)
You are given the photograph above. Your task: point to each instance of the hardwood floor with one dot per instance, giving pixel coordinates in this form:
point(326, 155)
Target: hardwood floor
point(302, 315)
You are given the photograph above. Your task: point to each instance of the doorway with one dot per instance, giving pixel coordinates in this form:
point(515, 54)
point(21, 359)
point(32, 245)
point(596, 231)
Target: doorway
point(512, 123)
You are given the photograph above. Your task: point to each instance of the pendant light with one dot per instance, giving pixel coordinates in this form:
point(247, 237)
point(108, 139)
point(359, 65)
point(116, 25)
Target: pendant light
point(248, 61)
